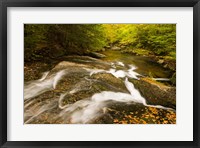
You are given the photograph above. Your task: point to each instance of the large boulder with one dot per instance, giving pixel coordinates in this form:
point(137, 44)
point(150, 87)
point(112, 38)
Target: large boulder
point(85, 88)
point(156, 93)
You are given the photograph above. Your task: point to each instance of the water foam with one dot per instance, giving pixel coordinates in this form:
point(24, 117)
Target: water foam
point(88, 109)
point(117, 73)
point(37, 87)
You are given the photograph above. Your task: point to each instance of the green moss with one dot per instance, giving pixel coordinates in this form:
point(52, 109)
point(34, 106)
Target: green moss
point(173, 79)
point(156, 93)
point(141, 52)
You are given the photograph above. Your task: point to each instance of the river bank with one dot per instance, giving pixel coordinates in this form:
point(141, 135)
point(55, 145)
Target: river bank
point(168, 62)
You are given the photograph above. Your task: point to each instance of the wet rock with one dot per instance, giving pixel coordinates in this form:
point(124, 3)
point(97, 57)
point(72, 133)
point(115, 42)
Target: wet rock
point(160, 61)
point(97, 55)
point(134, 113)
point(68, 66)
point(33, 71)
point(107, 47)
point(173, 79)
point(156, 93)
point(115, 48)
point(88, 87)
point(86, 60)
point(108, 79)
point(166, 63)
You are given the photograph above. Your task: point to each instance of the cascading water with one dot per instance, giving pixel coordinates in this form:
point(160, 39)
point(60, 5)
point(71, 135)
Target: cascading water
point(88, 109)
point(37, 87)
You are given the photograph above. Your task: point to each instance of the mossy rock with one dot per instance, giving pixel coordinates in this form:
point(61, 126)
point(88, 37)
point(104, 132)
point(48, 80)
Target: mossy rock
point(173, 79)
point(109, 80)
point(87, 88)
point(156, 93)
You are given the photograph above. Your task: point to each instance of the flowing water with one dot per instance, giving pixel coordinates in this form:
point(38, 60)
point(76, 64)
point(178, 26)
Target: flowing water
point(85, 98)
point(145, 65)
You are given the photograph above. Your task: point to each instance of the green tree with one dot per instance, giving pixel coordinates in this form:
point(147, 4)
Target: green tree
point(62, 38)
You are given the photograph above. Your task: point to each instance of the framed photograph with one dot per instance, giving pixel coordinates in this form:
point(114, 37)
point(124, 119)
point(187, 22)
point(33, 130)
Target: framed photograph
point(112, 73)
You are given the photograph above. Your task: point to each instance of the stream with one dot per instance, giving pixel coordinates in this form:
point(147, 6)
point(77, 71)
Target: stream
point(83, 90)
point(145, 65)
